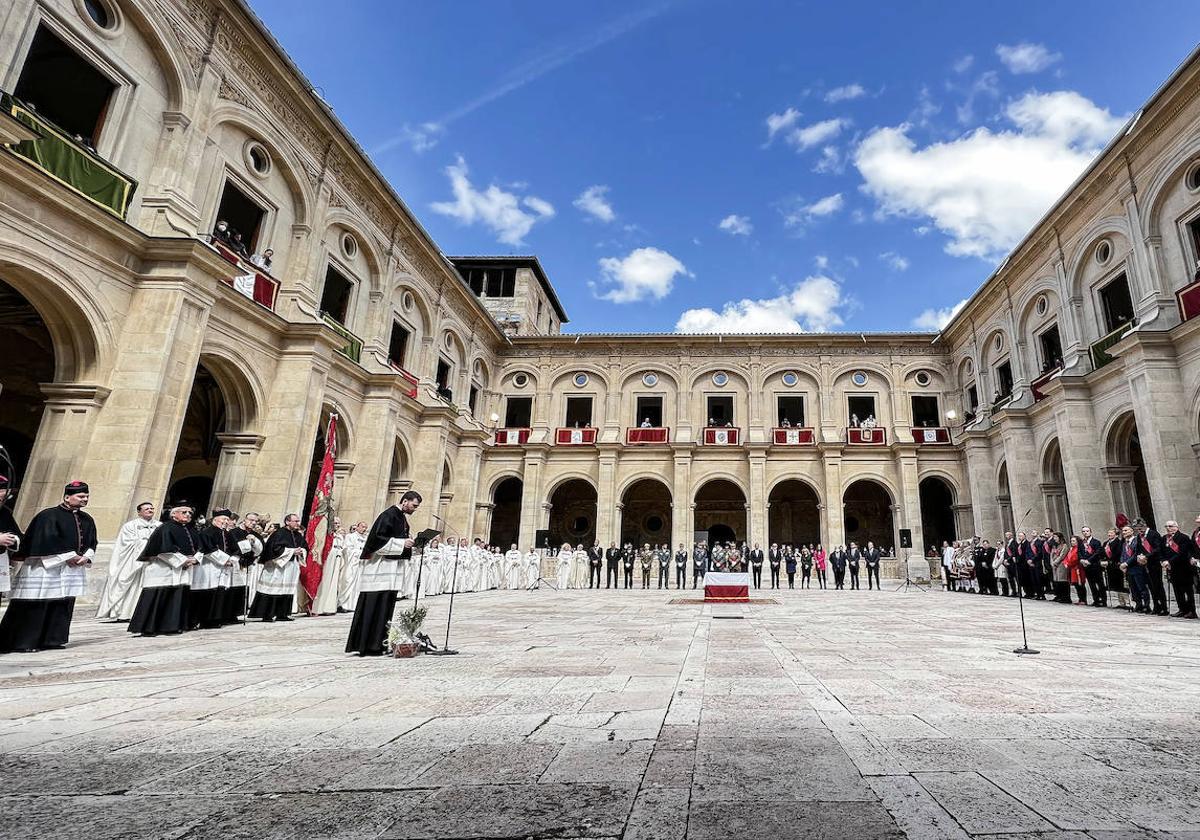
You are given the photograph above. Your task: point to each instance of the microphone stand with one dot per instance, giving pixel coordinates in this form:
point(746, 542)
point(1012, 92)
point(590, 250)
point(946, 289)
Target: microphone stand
point(445, 649)
point(1024, 649)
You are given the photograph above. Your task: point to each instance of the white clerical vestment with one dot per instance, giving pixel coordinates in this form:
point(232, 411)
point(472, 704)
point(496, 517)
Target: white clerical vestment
point(124, 583)
point(281, 576)
point(564, 568)
point(431, 572)
point(381, 572)
point(50, 578)
point(513, 580)
point(351, 570)
point(326, 601)
point(579, 571)
point(168, 569)
point(533, 569)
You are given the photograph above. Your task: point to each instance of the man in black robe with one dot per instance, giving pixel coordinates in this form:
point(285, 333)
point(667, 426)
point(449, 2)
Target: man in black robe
point(206, 604)
point(247, 549)
point(170, 554)
point(389, 539)
point(58, 546)
point(10, 535)
point(1091, 553)
point(283, 554)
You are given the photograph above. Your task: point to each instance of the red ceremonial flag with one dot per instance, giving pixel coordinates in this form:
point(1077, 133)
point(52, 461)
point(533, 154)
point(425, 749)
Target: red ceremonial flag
point(321, 511)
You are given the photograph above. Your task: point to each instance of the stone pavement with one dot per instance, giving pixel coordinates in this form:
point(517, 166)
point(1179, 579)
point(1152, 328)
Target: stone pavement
point(614, 714)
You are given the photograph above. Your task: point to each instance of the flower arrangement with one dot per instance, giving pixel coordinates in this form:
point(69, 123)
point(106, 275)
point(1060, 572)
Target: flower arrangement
point(401, 639)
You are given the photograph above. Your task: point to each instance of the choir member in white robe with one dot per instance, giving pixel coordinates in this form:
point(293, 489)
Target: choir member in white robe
point(579, 567)
point(497, 569)
point(452, 571)
point(10, 538)
point(480, 557)
point(326, 602)
point(249, 549)
point(57, 549)
point(388, 542)
point(210, 578)
point(431, 568)
point(284, 554)
point(533, 569)
point(170, 554)
point(351, 568)
point(513, 558)
point(566, 556)
point(124, 582)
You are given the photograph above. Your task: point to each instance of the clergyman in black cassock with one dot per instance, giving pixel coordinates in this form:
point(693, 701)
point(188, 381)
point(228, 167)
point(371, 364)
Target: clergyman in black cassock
point(58, 546)
point(170, 553)
point(282, 557)
point(387, 543)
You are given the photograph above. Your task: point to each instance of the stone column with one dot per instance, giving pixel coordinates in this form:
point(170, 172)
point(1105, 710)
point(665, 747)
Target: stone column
point(833, 517)
point(608, 520)
point(363, 495)
point(235, 466)
point(963, 525)
point(483, 520)
point(1020, 456)
point(909, 503)
point(429, 462)
point(756, 507)
point(531, 495)
point(468, 462)
point(60, 450)
point(681, 499)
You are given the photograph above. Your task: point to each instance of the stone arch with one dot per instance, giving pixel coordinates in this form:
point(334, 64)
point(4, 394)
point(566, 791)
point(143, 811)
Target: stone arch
point(867, 511)
point(1054, 487)
point(812, 485)
point(279, 148)
point(458, 346)
point(646, 510)
point(1085, 242)
point(665, 376)
point(167, 48)
point(793, 512)
point(574, 502)
point(563, 478)
point(720, 508)
point(506, 497)
point(704, 376)
point(1125, 468)
point(424, 315)
point(1168, 175)
point(937, 497)
point(243, 395)
point(1004, 497)
point(783, 367)
point(592, 370)
point(340, 218)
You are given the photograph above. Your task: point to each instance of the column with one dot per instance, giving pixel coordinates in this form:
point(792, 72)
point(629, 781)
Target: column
point(963, 525)
point(1088, 498)
point(532, 512)
point(60, 450)
point(1020, 456)
point(429, 462)
point(235, 466)
point(909, 503)
point(832, 517)
point(363, 494)
point(468, 462)
point(483, 520)
point(681, 499)
point(608, 520)
point(756, 508)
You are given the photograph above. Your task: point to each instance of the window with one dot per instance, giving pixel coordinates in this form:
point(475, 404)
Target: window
point(442, 378)
point(1004, 379)
point(397, 344)
point(791, 411)
point(63, 87)
point(518, 412)
point(720, 411)
point(537, 324)
point(579, 412)
point(475, 278)
point(925, 411)
point(473, 397)
point(1194, 230)
point(243, 214)
point(100, 14)
point(335, 296)
point(1116, 304)
point(973, 398)
point(649, 408)
point(1051, 346)
point(860, 408)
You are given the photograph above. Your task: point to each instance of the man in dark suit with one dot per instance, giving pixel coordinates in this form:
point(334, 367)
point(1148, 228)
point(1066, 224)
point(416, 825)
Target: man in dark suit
point(613, 556)
point(1152, 543)
point(775, 560)
point(1091, 553)
point(837, 559)
point(756, 564)
point(871, 558)
point(628, 556)
point(1177, 556)
point(853, 558)
point(595, 563)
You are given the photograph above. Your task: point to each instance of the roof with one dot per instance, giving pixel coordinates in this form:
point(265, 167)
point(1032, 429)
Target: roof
point(520, 261)
point(902, 335)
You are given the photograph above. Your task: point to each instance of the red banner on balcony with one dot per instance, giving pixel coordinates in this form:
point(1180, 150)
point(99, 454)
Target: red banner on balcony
point(795, 436)
point(721, 436)
point(654, 434)
point(938, 434)
point(1189, 301)
point(511, 437)
point(575, 437)
point(869, 437)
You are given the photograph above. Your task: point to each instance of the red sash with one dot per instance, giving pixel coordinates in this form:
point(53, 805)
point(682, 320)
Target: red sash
point(1146, 546)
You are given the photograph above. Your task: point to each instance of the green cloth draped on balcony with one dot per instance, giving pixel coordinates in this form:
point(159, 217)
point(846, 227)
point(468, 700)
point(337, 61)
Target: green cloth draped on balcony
point(68, 162)
point(352, 350)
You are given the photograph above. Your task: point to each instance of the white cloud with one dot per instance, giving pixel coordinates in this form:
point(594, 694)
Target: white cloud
point(421, 138)
point(964, 63)
point(821, 261)
point(781, 122)
point(1026, 57)
point(830, 162)
point(894, 261)
point(800, 214)
point(936, 319)
point(594, 201)
point(811, 305)
point(816, 134)
point(841, 94)
point(643, 274)
point(736, 225)
point(986, 188)
point(508, 215)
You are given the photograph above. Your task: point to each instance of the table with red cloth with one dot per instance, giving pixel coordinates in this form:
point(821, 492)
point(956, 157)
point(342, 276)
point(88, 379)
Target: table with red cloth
point(727, 586)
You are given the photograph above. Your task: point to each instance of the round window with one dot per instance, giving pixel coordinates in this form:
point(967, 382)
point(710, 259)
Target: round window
point(580, 525)
point(998, 344)
point(1042, 305)
point(259, 161)
point(720, 379)
point(100, 13)
point(650, 379)
point(654, 523)
point(970, 366)
point(521, 380)
point(1192, 179)
point(790, 379)
point(923, 378)
point(408, 301)
point(580, 380)
point(1103, 251)
point(859, 378)
point(349, 245)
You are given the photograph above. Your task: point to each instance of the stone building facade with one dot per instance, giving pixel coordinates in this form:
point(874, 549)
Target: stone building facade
point(141, 355)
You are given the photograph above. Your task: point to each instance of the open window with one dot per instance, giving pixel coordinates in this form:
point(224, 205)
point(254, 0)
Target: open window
point(397, 344)
point(518, 412)
point(579, 412)
point(649, 408)
point(475, 278)
point(972, 398)
point(1116, 304)
point(925, 411)
point(1004, 379)
point(442, 379)
point(62, 86)
point(501, 282)
point(859, 408)
point(473, 398)
point(335, 295)
point(244, 215)
point(720, 411)
point(1051, 347)
point(790, 411)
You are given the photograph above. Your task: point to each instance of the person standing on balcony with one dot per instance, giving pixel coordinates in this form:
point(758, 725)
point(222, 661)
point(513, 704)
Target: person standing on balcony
point(263, 260)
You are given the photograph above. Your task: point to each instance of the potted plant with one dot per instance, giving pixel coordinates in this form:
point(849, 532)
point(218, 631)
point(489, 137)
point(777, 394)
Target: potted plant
point(402, 632)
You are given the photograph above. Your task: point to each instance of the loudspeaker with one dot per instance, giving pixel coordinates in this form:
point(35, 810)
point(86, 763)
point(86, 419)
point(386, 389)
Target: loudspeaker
point(906, 538)
point(541, 539)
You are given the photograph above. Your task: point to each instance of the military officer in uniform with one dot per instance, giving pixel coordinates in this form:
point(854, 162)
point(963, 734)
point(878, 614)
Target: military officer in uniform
point(681, 558)
point(627, 558)
point(647, 558)
point(699, 563)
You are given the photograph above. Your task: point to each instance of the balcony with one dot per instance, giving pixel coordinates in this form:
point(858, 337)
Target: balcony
point(69, 162)
point(1188, 299)
point(931, 435)
point(721, 436)
point(252, 281)
point(1099, 349)
point(792, 436)
point(575, 436)
point(1036, 385)
point(512, 437)
point(647, 435)
point(858, 436)
point(352, 349)
point(410, 382)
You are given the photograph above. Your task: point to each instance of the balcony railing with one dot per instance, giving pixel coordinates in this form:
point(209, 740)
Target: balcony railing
point(931, 434)
point(1036, 385)
point(512, 437)
point(411, 382)
point(252, 282)
point(69, 162)
point(647, 434)
point(866, 437)
point(721, 436)
point(792, 436)
point(575, 437)
point(1099, 349)
point(352, 349)
point(1188, 299)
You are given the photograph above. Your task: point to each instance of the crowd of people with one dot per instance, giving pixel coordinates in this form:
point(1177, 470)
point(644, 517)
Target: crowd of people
point(1129, 568)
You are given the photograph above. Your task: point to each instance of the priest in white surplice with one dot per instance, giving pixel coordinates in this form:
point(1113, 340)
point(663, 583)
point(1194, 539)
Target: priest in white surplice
point(579, 567)
point(326, 602)
point(533, 569)
point(452, 568)
point(284, 554)
point(431, 568)
point(351, 568)
point(564, 560)
point(513, 559)
point(124, 583)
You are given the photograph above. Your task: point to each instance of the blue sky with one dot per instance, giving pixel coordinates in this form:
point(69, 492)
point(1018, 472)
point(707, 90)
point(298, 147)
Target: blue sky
point(717, 166)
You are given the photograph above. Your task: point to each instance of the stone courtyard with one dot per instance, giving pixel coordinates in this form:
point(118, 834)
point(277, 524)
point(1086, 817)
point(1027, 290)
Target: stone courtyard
point(617, 714)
